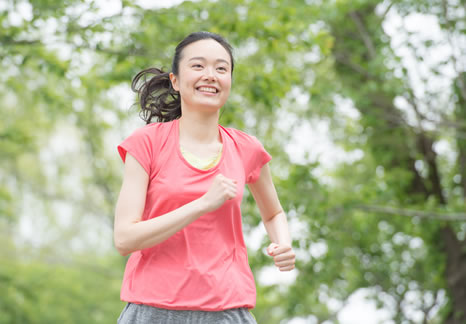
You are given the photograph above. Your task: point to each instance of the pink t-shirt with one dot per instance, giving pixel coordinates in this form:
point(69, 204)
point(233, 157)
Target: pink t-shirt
point(205, 265)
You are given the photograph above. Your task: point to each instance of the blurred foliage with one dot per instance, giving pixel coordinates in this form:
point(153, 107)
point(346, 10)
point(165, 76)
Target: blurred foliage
point(53, 292)
point(377, 222)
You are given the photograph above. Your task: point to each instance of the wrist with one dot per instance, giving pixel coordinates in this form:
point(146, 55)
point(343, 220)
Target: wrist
point(284, 243)
point(202, 205)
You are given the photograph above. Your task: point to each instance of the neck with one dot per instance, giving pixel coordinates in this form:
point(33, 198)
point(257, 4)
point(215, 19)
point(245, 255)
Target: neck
point(198, 126)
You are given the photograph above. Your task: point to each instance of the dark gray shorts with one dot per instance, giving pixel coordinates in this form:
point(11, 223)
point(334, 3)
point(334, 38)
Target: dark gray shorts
point(143, 314)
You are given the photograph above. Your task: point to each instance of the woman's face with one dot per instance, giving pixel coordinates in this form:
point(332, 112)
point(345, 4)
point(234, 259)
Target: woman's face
point(204, 76)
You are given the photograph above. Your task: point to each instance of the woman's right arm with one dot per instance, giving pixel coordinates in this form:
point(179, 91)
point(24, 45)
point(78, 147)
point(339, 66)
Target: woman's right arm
point(132, 234)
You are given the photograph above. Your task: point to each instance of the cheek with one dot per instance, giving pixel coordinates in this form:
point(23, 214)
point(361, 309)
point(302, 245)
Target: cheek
point(186, 78)
point(187, 86)
point(226, 83)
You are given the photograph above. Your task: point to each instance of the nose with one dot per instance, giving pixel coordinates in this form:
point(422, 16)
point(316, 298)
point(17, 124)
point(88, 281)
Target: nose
point(209, 74)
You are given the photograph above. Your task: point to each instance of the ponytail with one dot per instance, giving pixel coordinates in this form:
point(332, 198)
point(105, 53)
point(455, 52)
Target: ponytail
point(157, 98)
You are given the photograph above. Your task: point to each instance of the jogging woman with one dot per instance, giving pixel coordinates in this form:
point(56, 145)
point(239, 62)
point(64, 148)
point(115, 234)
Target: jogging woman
point(178, 213)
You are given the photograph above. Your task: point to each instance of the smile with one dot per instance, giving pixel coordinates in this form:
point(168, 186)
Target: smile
point(207, 89)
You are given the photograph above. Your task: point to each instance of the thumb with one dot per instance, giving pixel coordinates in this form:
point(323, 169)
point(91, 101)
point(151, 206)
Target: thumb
point(271, 248)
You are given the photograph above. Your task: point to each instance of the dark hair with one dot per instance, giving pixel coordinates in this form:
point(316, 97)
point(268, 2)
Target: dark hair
point(157, 97)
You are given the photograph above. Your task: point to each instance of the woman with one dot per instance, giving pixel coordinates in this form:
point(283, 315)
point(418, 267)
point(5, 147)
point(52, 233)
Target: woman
point(178, 212)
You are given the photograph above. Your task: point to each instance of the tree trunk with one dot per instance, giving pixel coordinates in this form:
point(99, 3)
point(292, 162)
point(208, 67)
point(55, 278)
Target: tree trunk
point(385, 120)
point(455, 275)
point(460, 114)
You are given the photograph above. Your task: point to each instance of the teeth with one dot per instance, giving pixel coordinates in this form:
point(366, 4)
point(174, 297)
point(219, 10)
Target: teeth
point(208, 89)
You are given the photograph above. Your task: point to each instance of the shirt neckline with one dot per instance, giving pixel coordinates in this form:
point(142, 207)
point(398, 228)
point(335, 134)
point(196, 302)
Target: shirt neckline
point(180, 155)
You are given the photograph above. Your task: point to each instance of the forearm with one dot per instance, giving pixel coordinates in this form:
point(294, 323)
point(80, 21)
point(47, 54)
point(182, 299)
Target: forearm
point(277, 229)
point(143, 234)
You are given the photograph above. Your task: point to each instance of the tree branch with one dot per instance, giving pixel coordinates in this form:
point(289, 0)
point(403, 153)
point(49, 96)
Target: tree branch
point(364, 34)
point(412, 213)
point(385, 13)
point(355, 67)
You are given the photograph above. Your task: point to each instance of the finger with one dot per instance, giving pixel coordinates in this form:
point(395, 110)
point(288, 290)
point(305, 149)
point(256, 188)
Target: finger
point(231, 183)
point(281, 249)
point(231, 194)
point(284, 256)
point(285, 263)
point(288, 268)
point(271, 248)
point(231, 186)
point(230, 180)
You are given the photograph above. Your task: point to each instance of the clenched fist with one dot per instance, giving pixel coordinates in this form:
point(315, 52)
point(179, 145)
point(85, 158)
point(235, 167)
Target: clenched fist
point(221, 190)
point(283, 256)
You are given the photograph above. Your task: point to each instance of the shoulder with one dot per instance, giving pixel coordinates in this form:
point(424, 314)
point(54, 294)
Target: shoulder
point(153, 127)
point(241, 137)
point(152, 131)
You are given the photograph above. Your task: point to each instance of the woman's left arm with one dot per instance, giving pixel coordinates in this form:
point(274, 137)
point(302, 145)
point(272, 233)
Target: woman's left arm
point(274, 218)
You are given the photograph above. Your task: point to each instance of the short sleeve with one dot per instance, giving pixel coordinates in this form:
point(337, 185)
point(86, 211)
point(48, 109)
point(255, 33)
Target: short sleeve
point(258, 157)
point(140, 146)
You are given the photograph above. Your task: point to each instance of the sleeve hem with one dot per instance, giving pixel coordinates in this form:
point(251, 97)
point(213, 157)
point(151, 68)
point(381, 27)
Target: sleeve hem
point(255, 174)
point(124, 151)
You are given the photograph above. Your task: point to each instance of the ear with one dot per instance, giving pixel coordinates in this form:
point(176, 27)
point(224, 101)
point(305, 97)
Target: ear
point(174, 81)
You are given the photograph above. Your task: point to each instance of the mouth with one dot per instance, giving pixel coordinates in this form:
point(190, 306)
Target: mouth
point(206, 89)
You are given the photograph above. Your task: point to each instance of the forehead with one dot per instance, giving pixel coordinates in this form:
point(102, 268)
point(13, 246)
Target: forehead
point(206, 48)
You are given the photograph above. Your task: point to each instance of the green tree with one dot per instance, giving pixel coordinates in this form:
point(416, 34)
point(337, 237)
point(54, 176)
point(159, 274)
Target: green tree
point(392, 221)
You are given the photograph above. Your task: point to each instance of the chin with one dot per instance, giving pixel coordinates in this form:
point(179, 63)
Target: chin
point(210, 106)
point(205, 105)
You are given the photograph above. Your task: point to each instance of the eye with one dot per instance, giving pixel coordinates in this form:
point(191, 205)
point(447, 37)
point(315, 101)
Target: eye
point(221, 68)
point(197, 66)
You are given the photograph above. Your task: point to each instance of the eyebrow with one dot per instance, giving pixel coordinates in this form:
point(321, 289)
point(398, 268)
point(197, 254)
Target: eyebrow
point(203, 59)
